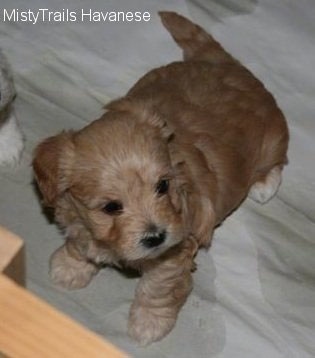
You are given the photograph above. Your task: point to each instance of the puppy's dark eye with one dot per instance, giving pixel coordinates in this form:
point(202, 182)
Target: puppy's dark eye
point(113, 208)
point(162, 186)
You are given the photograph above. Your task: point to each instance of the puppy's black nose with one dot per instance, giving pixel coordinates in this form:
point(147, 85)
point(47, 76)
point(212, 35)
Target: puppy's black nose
point(153, 239)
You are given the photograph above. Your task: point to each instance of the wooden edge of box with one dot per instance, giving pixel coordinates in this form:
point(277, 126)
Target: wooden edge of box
point(30, 327)
point(12, 256)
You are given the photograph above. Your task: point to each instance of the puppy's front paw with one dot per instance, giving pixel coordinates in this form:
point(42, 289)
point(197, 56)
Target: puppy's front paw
point(147, 325)
point(67, 272)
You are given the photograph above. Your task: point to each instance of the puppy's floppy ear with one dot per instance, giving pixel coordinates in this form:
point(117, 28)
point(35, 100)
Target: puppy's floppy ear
point(197, 208)
point(144, 114)
point(51, 164)
point(203, 222)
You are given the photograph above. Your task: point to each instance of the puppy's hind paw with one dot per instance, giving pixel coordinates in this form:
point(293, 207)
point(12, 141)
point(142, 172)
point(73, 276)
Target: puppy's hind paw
point(263, 191)
point(147, 325)
point(67, 272)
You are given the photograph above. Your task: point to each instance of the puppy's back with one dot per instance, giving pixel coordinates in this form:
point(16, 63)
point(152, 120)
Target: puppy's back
point(213, 103)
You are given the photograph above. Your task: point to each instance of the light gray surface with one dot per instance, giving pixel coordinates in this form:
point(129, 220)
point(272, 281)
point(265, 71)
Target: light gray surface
point(254, 293)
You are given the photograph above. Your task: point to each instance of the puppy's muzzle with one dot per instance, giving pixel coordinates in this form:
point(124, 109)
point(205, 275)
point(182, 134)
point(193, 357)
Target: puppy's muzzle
point(153, 239)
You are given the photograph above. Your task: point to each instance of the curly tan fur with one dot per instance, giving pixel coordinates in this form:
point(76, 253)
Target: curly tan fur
point(146, 184)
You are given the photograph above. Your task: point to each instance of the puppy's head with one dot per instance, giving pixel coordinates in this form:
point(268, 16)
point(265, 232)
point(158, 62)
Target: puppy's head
point(117, 178)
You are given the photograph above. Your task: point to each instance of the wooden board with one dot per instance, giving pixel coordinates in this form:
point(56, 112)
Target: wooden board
point(12, 256)
point(30, 327)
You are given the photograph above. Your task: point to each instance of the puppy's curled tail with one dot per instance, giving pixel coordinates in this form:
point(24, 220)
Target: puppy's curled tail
point(196, 43)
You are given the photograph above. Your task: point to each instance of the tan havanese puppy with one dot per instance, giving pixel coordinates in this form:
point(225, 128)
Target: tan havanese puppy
point(145, 185)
